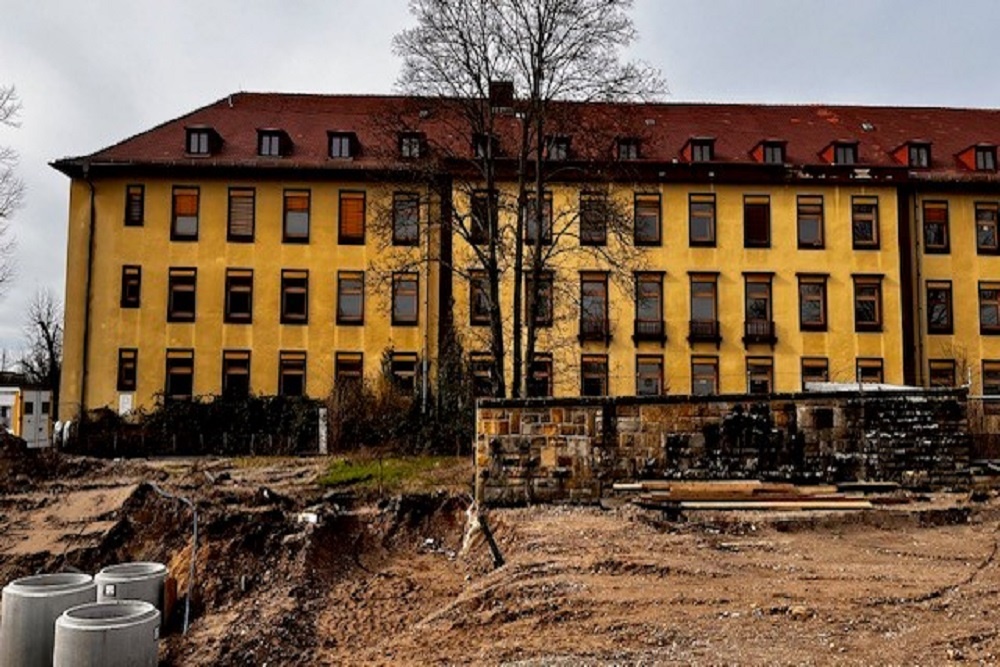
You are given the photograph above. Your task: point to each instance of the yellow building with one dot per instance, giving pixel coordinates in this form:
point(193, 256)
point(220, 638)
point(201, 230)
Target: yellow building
point(282, 243)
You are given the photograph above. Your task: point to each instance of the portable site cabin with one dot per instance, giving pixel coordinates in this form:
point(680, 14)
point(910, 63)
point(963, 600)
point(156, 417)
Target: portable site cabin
point(25, 410)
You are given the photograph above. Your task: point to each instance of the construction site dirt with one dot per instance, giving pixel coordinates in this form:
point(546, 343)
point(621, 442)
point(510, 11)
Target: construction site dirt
point(289, 572)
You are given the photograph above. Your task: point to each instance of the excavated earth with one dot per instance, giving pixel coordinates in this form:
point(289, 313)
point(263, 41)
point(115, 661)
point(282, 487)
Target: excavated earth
point(290, 573)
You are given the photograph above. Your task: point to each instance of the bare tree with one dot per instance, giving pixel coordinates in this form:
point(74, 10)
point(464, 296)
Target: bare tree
point(43, 331)
point(11, 187)
point(551, 53)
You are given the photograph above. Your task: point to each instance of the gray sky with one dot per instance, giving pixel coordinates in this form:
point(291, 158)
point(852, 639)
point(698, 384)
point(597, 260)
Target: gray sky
point(90, 74)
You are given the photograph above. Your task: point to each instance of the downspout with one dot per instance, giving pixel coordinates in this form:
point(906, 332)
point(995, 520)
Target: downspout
point(427, 318)
point(87, 295)
point(916, 227)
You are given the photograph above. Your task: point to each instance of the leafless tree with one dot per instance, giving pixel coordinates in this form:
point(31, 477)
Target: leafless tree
point(554, 53)
point(43, 331)
point(11, 187)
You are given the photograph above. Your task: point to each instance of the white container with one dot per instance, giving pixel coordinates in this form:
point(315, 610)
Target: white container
point(31, 606)
point(108, 634)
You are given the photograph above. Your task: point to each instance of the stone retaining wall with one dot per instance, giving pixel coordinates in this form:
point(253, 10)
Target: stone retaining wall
point(559, 450)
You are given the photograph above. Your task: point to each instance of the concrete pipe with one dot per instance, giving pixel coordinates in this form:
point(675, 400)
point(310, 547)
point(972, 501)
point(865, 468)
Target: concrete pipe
point(132, 581)
point(31, 606)
point(108, 634)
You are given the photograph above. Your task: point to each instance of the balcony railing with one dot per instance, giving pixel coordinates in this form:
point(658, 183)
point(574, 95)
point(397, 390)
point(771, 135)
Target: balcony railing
point(704, 331)
point(653, 330)
point(759, 331)
point(595, 329)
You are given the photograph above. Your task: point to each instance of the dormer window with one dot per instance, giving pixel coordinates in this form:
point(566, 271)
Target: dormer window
point(485, 146)
point(702, 150)
point(342, 144)
point(557, 148)
point(986, 158)
point(628, 148)
point(919, 155)
point(845, 153)
point(272, 143)
point(201, 141)
point(411, 145)
point(774, 152)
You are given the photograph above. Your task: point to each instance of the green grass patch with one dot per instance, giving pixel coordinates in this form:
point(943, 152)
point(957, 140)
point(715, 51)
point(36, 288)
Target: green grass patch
point(390, 474)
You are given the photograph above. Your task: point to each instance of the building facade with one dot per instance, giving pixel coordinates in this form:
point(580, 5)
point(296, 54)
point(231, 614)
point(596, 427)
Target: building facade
point(285, 243)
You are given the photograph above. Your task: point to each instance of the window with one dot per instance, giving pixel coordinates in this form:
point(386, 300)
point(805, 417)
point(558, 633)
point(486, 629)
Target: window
point(986, 158)
point(348, 370)
point(815, 369)
point(540, 376)
point(870, 371)
point(239, 296)
point(484, 216)
point(531, 221)
point(131, 286)
point(544, 294)
point(704, 324)
point(756, 222)
point(594, 307)
point(184, 225)
point(403, 371)
point(341, 145)
point(271, 143)
point(986, 228)
point(648, 375)
point(810, 221)
point(593, 219)
point(867, 303)
point(291, 373)
point(812, 302)
point(594, 375)
point(479, 298)
point(989, 308)
point(774, 152)
point(941, 372)
point(627, 148)
point(558, 148)
point(181, 287)
point(939, 314)
point(936, 227)
point(199, 141)
point(481, 367)
point(352, 218)
point(649, 323)
point(179, 384)
point(135, 197)
point(758, 320)
point(919, 156)
point(242, 206)
point(411, 145)
point(701, 220)
point(405, 218)
point(844, 153)
point(760, 375)
point(864, 222)
point(991, 377)
point(127, 366)
point(647, 219)
point(704, 376)
point(702, 150)
point(350, 297)
point(296, 220)
point(294, 296)
point(236, 373)
point(484, 146)
point(405, 288)
point(29, 408)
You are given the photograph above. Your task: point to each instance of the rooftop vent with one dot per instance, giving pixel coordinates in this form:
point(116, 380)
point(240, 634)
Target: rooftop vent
point(867, 126)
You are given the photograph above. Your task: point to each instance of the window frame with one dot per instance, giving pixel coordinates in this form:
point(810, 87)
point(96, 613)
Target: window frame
point(175, 217)
point(128, 369)
point(768, 152)
point(991, 220)
point(810, 208)
point(813, 279)
point(346, 236)
point(135, 205)
point(546, 280)
point(869, 364)
point(697, 329)
point(947, 326)
point(131, 288)
point(238, 281)
point(756, 365)
point(235, 194)
point(289, 195)
point(403, 379)
point(200, 139)
point(405, 201)
point(654, 360)
point(399, 279)
point(271, 143)
point(411, 145)
point(479, 207)
point(756, 203)
point(541, 366)
point(592, 219)
point(345, 279)
point(845, 153)
point(858, 217)
point(654, 329)
point(628, 149)
point(481, 369)
point(702, 150)
point(865, 281)
point(645, 200)
point(292, 363)
point(594, 366)
point(814, 363)
point(588, 326)
point(294, 282)
point(939, 366)
point(178, 359)
point(942, 247)
point(479, 285)
point(341, 139)
point(557, 148)
point(179, 280)
point(348, 369)
point(235, 360)
point(700, 200)
point(711, 362)
point(918, 155)
point(994, 303)
point(991, 377)
point(547, 218)
point(986, 158)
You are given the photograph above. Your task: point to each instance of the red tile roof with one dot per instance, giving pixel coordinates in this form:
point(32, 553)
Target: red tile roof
point(662, 128)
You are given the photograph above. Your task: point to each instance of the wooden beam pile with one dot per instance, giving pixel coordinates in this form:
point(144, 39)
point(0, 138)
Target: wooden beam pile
point(756, 495)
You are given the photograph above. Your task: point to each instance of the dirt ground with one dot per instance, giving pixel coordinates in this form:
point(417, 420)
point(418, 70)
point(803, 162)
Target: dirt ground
point(385, 580)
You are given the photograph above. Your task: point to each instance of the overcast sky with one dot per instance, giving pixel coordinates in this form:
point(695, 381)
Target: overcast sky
point(92, 73)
